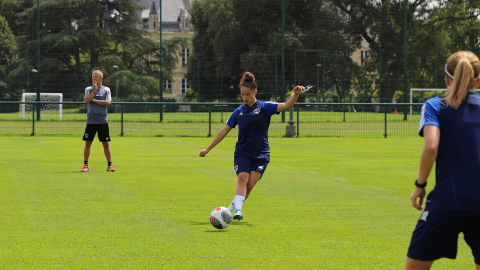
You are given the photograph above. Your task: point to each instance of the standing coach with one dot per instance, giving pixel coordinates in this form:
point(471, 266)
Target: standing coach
point(98, 97)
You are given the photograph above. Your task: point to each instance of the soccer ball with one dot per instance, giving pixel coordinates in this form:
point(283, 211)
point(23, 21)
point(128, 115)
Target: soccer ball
point(221, 217)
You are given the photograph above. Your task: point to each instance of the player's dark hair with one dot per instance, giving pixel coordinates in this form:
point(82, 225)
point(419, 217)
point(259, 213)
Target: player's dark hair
point(463, 67)
point(248, 80)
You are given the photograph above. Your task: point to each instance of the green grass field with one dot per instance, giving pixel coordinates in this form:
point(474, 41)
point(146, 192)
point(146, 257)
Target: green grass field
point(323, 203)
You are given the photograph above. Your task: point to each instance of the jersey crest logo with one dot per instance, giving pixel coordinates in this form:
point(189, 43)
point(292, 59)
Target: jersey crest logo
point(424, 216)
point(256, 111)
point(241, 113)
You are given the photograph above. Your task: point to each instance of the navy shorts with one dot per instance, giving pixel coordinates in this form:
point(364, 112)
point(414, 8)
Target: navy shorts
point(91, 130)
point(436, 235)
point(244, 164)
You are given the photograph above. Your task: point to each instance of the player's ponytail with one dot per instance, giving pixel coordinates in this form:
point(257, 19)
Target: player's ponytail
point(248, 80)
point(463, 68)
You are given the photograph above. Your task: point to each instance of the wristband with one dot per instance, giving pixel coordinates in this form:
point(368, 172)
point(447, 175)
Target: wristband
point(420, 185)
point(93, 100)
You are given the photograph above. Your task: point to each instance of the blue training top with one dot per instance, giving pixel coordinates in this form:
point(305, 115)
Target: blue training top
point(253, 123)
point(458, 160)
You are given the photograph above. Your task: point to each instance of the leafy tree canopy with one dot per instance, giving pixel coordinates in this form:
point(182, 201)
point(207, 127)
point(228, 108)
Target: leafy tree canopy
point(79, 36)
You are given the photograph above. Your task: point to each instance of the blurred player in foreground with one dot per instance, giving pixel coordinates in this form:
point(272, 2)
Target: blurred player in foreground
point(450, 125)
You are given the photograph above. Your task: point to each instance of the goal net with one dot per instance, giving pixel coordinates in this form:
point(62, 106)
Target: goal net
point(421, 95)
point(45, 107)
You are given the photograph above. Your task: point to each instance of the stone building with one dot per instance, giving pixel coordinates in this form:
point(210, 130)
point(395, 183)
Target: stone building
point(175, 23)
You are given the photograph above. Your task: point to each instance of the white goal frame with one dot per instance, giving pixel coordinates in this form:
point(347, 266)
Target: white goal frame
point(53, 97)
point(427, 89)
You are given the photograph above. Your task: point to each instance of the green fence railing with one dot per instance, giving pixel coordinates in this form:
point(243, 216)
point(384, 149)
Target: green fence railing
point(205, 119)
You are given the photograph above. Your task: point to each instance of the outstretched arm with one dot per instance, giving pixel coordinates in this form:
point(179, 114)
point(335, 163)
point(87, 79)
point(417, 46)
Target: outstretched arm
point(289, 104)
point(221, 134)
point(431, 134)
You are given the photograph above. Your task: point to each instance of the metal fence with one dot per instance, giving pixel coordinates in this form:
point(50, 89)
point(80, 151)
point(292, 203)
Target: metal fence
point(205, 119)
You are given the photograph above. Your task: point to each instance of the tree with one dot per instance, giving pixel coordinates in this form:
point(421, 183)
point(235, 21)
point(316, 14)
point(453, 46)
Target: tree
point(79, 36)
point(8, 48)
point(230, 35)
point(8, 54)
point(435, 30)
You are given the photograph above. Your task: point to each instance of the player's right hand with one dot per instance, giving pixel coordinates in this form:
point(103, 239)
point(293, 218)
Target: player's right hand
point(204, 152)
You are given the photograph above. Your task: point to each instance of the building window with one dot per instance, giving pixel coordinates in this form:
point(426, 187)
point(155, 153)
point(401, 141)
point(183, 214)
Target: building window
point(186, 54)
point(167, 84)
point(154, 25)
point(185, 85)
point(364, 55)
point(186, 25)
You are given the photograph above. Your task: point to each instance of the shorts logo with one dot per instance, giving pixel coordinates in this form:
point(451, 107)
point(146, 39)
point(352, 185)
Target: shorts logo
point(260, 168)
point(236, 167)
point(424, 216)
point(256, 111)
point(241, 113)
point(107, 139)
point(86, 135)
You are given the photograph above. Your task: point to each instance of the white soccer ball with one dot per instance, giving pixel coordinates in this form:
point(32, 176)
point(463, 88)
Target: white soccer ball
point(221, 217)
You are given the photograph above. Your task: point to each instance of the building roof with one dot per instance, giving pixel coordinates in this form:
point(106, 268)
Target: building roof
point(171, 9)
point(153, 9)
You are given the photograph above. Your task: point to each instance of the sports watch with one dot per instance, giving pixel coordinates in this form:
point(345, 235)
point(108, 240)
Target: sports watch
point(420, 185)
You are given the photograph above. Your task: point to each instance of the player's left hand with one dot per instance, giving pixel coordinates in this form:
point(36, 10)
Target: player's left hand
point(298, 89)
point(417, 193)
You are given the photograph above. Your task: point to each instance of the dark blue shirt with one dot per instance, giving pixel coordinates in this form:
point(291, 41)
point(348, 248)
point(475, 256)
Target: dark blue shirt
point(458, 160)
point(253, 123)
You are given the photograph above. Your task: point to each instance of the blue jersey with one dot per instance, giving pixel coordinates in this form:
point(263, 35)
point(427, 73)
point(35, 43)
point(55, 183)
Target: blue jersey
point(457, 169)
point(253, 123)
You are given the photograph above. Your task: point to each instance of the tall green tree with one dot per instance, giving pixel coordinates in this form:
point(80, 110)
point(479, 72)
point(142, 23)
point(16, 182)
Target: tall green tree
point(79, 36)
point(8, 48)
point(230, 35)
point(435, 29)
point(8, 54)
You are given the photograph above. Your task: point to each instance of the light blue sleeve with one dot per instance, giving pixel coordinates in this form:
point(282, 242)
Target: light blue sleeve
point(88, 90)
point(231, 120)
point(270, 107)
point(430, 114)
point(109, 94)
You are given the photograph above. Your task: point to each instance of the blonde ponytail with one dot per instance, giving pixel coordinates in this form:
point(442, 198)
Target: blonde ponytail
point(466, 68)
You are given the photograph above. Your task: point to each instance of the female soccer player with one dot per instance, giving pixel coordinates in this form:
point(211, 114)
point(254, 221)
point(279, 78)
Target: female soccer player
point(252, 152)
point(450, 125)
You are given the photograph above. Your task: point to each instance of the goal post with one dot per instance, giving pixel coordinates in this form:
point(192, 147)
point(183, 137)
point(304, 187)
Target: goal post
point(45, 97)
point(439, 91)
